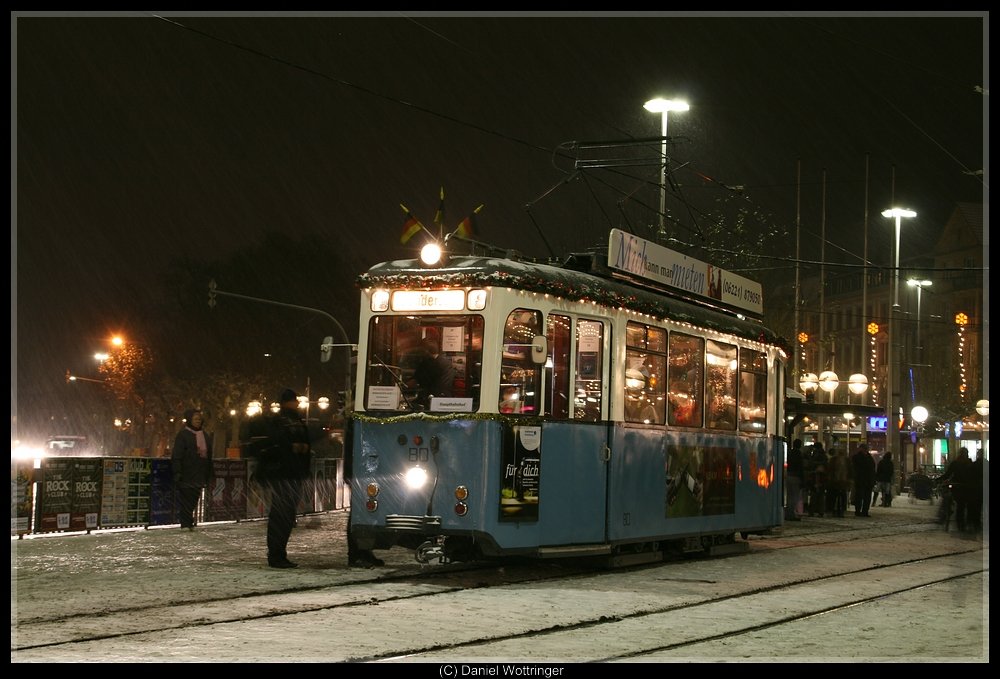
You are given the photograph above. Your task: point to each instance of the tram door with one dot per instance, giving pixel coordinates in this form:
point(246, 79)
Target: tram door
point(573, 478)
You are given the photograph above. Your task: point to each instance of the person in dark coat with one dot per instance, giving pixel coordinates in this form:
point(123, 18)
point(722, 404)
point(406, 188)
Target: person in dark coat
point(815, 476)
point(793, 482)
point(883, 477)
point(839, 477)
point(960, 473)
point(191, 462)
point(863, 466)
point(284, 456)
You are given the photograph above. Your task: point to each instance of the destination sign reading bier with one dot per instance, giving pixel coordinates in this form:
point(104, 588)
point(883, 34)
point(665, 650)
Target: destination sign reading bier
point(658, 264)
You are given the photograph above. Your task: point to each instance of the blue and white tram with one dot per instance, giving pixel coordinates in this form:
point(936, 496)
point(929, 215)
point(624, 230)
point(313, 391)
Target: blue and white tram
point(586, 410)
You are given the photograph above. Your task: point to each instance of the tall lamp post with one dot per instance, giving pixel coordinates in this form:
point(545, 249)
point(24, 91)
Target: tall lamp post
point(919, 285)
point(664, 107)
point(892, 395)
point(919, 415)
point(983, 408)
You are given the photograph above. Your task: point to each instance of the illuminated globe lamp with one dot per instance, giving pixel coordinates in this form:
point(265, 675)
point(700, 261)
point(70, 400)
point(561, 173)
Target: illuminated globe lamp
point(828, 382)
point(919, 414)
point(983, 407)
point(857, 384)
point(808, 383)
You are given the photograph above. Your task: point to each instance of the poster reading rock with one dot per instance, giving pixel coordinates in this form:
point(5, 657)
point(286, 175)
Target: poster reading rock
point(88, 475)
point(55, 494)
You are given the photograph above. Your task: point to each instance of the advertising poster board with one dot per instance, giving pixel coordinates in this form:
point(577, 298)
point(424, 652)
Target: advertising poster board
point(114, 492)
point(88, 473)
point(226, 494)
point(55, 496)
point(521, 463)
point(22, 480)
point(161, 501)
point(257, 496)
point(139, 491)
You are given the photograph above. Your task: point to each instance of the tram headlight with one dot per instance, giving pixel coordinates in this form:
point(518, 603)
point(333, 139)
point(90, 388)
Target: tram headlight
point(431, 254)
point(416, 477)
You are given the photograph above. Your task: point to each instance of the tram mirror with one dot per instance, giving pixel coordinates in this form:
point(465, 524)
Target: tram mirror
point(539, 349)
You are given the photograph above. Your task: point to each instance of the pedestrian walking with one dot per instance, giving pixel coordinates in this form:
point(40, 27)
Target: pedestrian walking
point(815, 476)
point(839, 479)
point(883, 479)
point(793, 482)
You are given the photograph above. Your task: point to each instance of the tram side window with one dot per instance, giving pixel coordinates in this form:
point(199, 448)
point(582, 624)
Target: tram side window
point(686, 356)
point(557, 367)
point(520, 377)
point(645, 366)
point(753, 391)
point(720, 386)
point(588, 399)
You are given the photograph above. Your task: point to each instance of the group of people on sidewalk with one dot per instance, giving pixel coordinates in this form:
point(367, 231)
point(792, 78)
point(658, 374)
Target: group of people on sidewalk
point(965, 478)
point(281, 444)
point(818, 483)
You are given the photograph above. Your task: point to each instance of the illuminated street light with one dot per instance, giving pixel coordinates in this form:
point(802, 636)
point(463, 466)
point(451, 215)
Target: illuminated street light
point(919, 285)
point(663, 107)
point(892, 420)
point(857, 383)
point(828, 382)
point(808, 383)
point(983, 408)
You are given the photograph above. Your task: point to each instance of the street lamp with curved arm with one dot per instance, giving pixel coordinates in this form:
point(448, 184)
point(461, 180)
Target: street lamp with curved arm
point(213, 290)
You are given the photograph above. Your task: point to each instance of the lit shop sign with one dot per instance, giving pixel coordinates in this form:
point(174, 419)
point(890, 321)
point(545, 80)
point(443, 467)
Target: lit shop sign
point(877, 423)
point(421, 300)
point(655, 263)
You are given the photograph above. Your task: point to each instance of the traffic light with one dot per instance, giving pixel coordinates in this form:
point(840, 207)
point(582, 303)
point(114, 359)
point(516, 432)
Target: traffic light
point(211, 293)
point(326, 349)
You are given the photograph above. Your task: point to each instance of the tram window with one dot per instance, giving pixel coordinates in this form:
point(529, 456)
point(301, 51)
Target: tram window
point(686, 356)
point(588, 397)
point(720, 386)
point(557, 366)
point(398, 347)
point(643, 382)
point(520, 377)
point(753, 391)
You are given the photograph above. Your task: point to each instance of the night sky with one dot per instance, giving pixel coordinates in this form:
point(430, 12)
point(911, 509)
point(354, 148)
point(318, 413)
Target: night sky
point(272, 154)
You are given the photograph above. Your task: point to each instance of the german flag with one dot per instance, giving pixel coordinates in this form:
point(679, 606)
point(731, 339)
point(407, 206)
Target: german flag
point(411, 227)
point(467, 227)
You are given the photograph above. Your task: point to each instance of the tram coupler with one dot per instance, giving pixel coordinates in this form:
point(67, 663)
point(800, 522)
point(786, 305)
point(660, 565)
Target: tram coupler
point(431, 549)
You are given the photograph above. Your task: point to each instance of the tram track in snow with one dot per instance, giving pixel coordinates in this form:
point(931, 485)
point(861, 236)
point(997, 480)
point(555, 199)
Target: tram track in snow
point(437, 586)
